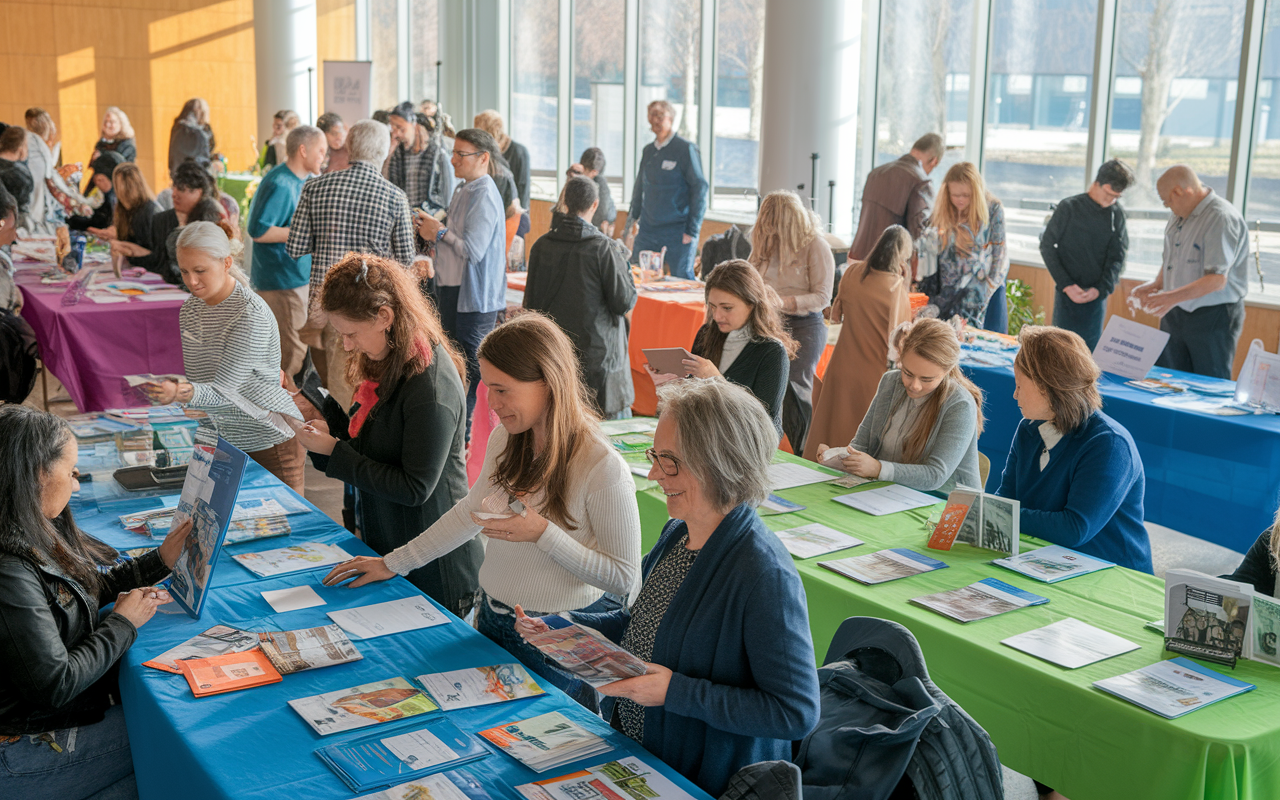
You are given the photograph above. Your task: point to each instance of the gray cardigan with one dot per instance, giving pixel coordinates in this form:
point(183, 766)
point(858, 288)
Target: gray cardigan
point(951, 452)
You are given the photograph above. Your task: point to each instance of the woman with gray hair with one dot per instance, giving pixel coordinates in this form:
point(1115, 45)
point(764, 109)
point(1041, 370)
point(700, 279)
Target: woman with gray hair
point(721, 619)
point(231, 355)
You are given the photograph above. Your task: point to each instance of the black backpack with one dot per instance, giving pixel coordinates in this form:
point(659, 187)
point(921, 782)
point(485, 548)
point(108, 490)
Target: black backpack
point(723, 247)
point(18, 355)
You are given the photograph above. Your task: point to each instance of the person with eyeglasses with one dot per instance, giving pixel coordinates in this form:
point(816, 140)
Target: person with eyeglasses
point(721, 619)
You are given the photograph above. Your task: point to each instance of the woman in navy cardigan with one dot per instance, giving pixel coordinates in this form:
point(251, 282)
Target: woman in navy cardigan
point(1075, 471)
point(721, 619)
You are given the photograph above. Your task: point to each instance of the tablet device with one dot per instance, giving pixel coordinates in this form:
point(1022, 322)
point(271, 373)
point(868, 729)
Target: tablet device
point(666, 360)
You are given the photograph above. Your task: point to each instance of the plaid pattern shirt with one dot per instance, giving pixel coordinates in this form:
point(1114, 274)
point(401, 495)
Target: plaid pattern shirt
point(352, 210)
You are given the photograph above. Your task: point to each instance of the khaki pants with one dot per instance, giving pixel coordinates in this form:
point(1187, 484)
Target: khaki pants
point(289, 307)
point(286, 461)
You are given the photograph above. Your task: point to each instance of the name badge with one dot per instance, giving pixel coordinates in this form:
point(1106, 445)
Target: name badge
point(668, 165)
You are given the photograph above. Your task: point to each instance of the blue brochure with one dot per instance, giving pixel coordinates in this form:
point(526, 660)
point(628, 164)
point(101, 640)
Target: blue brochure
point(208, 499)
point(387, 759)
point(986, 598)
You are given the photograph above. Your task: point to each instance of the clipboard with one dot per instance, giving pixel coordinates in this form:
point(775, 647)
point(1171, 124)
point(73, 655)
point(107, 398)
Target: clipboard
point(666, 360)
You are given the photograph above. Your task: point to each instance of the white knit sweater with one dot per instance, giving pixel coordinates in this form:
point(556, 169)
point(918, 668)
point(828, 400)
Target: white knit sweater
point(565, 569)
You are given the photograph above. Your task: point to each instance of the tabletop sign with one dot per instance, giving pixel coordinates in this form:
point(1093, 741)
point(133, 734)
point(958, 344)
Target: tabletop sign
point(347, 89)
point(1129, 349)
point(1259, 382)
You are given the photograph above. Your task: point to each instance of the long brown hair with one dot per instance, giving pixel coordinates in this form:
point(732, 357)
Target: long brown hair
point(41, 124)
point(935, 341)
point(740, 279)
point(891, 253)
point(784, 227)
point(531, 348)
point(132, 193)
point(361, 284)
point(945, 217)
point(1062, 367)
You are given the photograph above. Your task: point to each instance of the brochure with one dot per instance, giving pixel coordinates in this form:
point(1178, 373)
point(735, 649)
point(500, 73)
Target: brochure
point(310, 648)
point(479, 686)
point(587, 654)
point(788, 475)
point(546, 742)
point(625, 778)
point(986, 598)
point(979, 519)
point(1206, 617)
point(1173, 688)
point(1053, 563)
point(617, 427)
point(258, 528)
point(953, 517)
point(1264, 623)
point(815, 539)
point(1070, 643)
point(773, 504)
point(362, 706)
point(295, 558)
point(228, 672)
point(453, 785)
point(216, 641)
point(633, 442)
point(379, 761)
point(885, 565)
point(887, 500)
point(393, 616)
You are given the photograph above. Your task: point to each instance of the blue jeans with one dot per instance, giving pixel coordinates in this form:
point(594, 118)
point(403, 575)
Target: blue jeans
point(468, 329)
point(501, 629)
point(997, 318)
point(680, 256)
point(100, 767)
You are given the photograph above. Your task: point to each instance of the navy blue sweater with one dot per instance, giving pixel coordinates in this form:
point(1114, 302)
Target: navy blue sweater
point(1089, 497)
point(670, 187)
point(736, 637)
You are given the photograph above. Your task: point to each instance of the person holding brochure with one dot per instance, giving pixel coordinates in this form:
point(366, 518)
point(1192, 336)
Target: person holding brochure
point(401, 448)
point(57, 651)
point(722, 618)
point(1076, 471)
point(923, 425)
point(554, 498)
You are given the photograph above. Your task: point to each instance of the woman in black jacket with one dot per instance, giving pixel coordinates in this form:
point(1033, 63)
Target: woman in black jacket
point(191, 184)
point(402, 445)
point(57, 652)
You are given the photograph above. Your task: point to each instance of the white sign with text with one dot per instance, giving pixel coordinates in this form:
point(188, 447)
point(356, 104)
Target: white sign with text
point(1129, 349)
point(347, 91)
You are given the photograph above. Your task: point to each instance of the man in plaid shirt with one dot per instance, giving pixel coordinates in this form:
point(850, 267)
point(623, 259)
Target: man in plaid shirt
point(352, 210)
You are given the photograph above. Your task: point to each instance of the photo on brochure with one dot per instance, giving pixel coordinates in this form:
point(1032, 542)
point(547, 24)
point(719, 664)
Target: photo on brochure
point(1206, 617)
point(1265, 619)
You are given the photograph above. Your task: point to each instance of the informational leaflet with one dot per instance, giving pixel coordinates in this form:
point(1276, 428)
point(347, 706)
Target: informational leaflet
point(292, 598)
point(309, 648)
point(1127, 348)
point(1070, 643)
point(1264, 623)
point(625, 778)
point(546, 741)
point(208, 498)
point(228, 672)
point(884, 565)
point(1206, 617)
point(587, 654)
point(295, 558)
point(815, 539)
point(1173, 688)
point(786, 475)
point(986, 598)
point(362, 706)
point(479, 686)
point(378, 760)
point(887, 500)
point(216, 641)
point(393, 616)
point(773, 504)
point(617, 427)
point(1053, 563)
point(453, 785)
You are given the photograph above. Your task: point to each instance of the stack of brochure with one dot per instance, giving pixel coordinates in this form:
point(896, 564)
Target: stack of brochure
point(480, 686)
point(1053, 563)
point(1173, 688)
point(228, 673)
point(626, 777)
point(986, 598)
point(454, 785)
point(546, 742)
point(381, 760)
point(310, 648)
point(884, 565)
point(585, 653)
point(218, 640)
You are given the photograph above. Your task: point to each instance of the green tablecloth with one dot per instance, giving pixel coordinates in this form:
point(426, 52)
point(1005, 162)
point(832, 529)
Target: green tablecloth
point(1047, 722)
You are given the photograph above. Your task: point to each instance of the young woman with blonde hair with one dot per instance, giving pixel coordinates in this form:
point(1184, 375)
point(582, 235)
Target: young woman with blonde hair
point(970, 253)
point(554, 498)
point(923, 425)
point(116, 135)
point(793, 257)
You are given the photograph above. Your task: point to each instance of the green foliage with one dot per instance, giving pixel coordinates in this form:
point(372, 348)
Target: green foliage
point(1021, 302)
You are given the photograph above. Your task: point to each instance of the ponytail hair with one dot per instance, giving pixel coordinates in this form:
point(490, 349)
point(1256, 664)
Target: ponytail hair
point(216, 240)
point(935, 341)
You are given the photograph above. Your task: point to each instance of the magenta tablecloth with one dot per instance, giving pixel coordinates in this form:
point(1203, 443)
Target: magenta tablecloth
point(89, 346)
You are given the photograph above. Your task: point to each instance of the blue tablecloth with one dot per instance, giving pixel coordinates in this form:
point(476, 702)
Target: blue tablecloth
point(1209, 476)
point(251, 744)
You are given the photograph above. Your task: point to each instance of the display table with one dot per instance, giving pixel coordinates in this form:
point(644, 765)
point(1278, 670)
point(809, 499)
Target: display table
point(251, 744)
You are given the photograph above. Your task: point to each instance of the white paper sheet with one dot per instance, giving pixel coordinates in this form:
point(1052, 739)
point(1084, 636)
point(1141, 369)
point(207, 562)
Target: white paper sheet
point(1129, 349)
point(1070, 643)
point(293, 598)
point(887, 500)
point(395, 616)
point(788, 476)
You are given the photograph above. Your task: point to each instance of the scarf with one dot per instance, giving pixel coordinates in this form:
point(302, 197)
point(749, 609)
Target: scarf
point(366, 395)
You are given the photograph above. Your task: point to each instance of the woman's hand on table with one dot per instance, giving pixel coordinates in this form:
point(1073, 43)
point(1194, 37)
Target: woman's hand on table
point(314, 436)
point(140, 605)
point(649, 689)
point(525, 527)
point(528, 626)
point(700, 367)
point(173, 543)
point(364, 569)
point(660, 378)
point(860, 464)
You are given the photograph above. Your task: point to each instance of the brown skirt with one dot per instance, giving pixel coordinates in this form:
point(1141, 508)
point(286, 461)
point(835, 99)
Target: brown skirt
point(285, 461)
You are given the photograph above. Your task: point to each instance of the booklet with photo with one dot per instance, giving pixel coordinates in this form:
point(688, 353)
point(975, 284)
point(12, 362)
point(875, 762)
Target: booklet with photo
point(773, 504)
point(379, 761)
point(453, 785)
point(585, 653)
point(1070, 643)
point(216, 641)
point(1206, 617)
point(1053, 563)
point(1264, 625)
point(228, 672)
point(479, 686)
point(546, 741)
point(295, 558)
point(986, 598)
point(362, 706)
point(393, 616)
point(884, 565)
point(979, 519)
point(1173, 688)
point(310, 648)
point(815, 539)
point(889, 499)
point(247, 530)
point(628, 777)
point(954, 517)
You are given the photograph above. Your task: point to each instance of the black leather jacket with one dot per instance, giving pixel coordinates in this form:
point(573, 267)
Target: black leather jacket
point(56, 653)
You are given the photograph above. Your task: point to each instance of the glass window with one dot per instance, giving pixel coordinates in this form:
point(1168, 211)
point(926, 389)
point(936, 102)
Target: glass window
point(670, 33)
point(1173, 103)
point(424, 38)
point(384, 51)
point(599, 42)
point(535, 75)
point(1263, 200)
point(739, 90)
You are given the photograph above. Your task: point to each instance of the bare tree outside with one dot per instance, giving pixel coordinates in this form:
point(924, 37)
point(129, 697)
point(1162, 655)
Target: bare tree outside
point(740, 50)
point(670, 43)
point(424, 44)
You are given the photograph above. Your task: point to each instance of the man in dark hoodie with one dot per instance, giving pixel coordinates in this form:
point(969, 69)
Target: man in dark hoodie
point(579, 277)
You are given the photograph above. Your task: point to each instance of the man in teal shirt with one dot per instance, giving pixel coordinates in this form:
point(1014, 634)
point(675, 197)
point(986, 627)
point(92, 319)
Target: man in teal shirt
point(280, 280)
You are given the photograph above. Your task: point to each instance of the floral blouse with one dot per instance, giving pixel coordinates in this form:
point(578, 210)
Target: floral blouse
point(968, 281)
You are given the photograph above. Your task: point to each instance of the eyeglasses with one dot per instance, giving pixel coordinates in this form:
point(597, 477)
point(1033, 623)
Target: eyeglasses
point(461, 154)
point(670, 465)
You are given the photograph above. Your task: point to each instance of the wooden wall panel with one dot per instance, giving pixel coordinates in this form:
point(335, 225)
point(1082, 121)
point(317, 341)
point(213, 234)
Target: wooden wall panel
point(335, 39)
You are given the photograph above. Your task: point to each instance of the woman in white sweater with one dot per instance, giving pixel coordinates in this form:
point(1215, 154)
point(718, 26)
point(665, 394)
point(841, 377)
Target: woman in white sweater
point(554, 498)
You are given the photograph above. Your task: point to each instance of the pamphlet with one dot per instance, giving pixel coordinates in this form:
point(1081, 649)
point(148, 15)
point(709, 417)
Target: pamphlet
point(1071, 643)
point(815, 539)
point(1173, 688)
point(627, 777)
point(1264, 624)
point(295, 558)
point(979, 519)
point(379, 760)
point(479, 686)
point(362, 706)
point(884, 565)
point(1127, 348)
point(453, 785)
point(986, 598)
point(617, 427)
point(393, 616)
point(1053, 563)
point(310, 648)
point(787, 475)
point(587, 654)
point(216, 641)
point(1206, 617)
point(208, 497)
point(953, 517)
point(228, 672)
point(887, 500)
point(546, 742)
point(773, 504)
